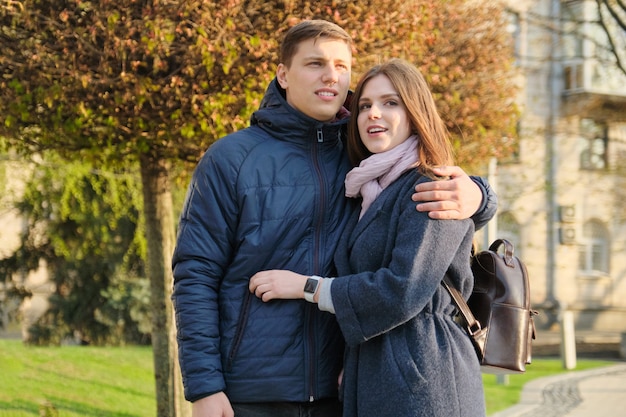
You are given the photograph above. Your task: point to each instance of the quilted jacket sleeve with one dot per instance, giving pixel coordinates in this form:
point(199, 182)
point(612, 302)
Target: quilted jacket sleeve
point(489, 204)
point(203, 250)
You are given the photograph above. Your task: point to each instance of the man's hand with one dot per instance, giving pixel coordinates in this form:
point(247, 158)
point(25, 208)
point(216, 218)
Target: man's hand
point(216, 405)
point(456, 198)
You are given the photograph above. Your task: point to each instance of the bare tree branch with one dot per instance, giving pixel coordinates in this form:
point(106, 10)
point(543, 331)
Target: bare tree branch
point(611, 37)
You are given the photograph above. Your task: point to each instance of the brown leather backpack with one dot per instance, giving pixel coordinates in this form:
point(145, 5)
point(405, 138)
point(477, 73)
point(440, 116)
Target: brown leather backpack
point(498, 315)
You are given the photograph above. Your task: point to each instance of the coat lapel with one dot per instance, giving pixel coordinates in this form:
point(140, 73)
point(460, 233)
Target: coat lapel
point(372, 213)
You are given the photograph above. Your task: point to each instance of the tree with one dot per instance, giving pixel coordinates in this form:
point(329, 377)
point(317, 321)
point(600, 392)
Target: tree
point(152, 82)
point(465, 52)
point(600, 22)
point(612, 20)
point(93, 247)
point(104, 82)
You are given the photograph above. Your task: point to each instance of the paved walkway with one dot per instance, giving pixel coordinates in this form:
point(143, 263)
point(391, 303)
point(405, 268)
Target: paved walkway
point(599, 392)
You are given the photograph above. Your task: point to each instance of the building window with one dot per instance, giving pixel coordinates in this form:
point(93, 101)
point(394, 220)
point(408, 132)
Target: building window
point(573, 75)
point(593, 250)
point(572, 19)
point(593, 145)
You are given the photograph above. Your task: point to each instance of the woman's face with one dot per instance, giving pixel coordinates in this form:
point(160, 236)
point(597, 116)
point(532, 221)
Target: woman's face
point(383, 120)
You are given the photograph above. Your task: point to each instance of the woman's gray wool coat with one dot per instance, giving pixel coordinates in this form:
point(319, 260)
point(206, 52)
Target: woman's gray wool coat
point(405, 355)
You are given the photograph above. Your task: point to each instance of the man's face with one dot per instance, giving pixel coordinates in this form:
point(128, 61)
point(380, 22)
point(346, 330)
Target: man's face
point(318, 79)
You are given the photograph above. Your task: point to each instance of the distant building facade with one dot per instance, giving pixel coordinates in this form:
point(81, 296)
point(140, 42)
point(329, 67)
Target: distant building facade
point(562, 196)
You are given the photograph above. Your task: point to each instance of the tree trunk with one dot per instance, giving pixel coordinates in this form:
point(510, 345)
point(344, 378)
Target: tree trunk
point(159, 218)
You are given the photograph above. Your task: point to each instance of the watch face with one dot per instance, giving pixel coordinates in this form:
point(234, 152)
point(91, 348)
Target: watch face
point(311, 285)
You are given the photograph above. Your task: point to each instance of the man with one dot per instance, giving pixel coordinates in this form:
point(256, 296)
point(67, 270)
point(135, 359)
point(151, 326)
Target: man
point(271, 197)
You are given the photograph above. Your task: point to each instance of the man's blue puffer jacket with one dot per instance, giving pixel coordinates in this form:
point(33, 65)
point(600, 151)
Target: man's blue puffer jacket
point(268, 197)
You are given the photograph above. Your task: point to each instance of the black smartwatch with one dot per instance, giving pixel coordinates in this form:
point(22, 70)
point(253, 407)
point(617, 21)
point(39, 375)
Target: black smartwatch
point(311, 287)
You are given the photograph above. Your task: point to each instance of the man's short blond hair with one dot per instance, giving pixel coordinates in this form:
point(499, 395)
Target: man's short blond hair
point(310, 29)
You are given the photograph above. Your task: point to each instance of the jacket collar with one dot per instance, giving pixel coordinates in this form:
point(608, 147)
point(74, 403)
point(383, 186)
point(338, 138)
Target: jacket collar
point(284, 122)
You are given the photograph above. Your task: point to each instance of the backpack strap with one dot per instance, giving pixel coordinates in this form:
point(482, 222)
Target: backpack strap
point(472, 325)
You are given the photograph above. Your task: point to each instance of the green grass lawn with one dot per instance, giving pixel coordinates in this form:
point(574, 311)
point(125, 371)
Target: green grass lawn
point(78, 381)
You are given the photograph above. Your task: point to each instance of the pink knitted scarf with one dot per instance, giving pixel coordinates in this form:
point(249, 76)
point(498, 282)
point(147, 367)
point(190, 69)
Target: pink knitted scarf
point(376, 172)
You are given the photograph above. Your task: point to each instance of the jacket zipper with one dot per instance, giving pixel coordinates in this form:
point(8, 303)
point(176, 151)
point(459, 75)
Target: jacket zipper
point(316, 249)
point(320, 209)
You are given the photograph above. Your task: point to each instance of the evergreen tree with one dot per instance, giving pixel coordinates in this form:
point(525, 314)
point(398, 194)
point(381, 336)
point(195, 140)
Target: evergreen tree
point(85, 225)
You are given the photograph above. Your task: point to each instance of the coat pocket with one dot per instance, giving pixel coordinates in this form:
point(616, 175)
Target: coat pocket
point(407, 367)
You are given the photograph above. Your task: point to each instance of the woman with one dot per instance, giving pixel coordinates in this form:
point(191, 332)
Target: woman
point(405, 354)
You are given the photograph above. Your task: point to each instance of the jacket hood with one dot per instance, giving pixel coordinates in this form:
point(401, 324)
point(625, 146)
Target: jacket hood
point(281, 120)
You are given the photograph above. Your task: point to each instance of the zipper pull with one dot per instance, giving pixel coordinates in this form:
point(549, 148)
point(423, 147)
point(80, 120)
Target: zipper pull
point(320, 136)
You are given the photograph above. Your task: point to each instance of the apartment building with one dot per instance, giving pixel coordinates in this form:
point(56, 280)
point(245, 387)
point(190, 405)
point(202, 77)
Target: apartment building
point(562, 195)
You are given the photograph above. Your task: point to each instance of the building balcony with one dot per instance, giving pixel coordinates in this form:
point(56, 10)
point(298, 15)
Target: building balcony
point(593, 90)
